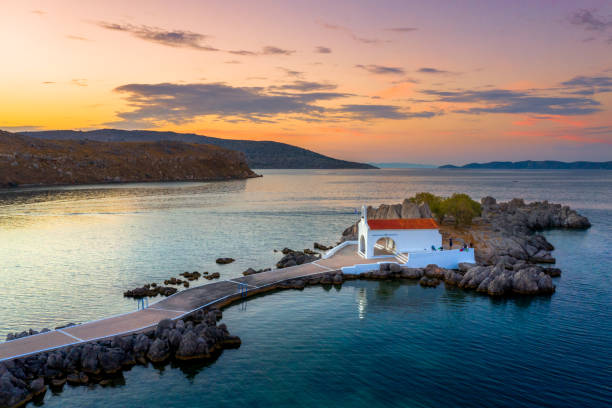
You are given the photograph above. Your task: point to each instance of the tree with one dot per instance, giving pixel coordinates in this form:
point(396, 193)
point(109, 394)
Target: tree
point(462, 208)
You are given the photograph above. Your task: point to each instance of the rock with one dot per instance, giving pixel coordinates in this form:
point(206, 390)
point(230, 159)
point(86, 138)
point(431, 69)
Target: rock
point(525, 281)
point(38, 387)
point(425, 211)
point(73, 379)
point(434, 272)
point(409, 210)
point(488, 201)
point(322, 247)
point(464, 266)
point(296, 258)
point(249, 271)
point(429, 282)
point(412, 273)
point(12, 391)
point(89, 359)
point(395, 268)
point(552, 272)
point(159, 351)
point(224, 261)
point(337, 280)
point(111, 360)
point(545, 284)
point(141, 345)
point(452, 277)
point(192, 347)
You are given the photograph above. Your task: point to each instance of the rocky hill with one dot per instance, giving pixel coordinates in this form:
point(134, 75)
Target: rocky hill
point(30, 161)
point(535, 165)
point(259, 154)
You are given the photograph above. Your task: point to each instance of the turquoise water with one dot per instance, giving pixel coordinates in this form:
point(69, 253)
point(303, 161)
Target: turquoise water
point(66, 254)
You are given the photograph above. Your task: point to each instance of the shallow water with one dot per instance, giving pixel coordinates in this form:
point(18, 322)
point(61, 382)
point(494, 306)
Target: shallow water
point(66, 254)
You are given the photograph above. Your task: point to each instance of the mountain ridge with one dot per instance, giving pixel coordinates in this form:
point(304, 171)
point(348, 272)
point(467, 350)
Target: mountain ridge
point(27, 161)
point(259, 154)
point(535, 164)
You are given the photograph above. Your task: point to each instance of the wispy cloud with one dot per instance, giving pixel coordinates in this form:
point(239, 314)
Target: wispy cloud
point(291, 72)
point(304, 86)
point(430, 70)
point(402, 29)
point(170, 38)
point(272, 50)
point(365, 112)
point(267, 50)
point(590, 20)
point(39, 12)
point(242, 52)
point(381, 69)
point(350, 32)
point(79, 82)
point(77, 38)
point(323, 50)
point(510, 101)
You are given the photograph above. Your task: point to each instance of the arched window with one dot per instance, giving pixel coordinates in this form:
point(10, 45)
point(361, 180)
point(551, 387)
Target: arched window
point(362, 247)
point(384, 246)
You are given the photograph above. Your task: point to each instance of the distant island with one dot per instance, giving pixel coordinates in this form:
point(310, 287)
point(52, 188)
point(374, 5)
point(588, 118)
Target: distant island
point(259, 154)
point(403, 165)
point(538, 165)
point(26, 160)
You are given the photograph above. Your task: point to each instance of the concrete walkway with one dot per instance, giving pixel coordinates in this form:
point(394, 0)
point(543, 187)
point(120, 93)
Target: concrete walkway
point(177, 305)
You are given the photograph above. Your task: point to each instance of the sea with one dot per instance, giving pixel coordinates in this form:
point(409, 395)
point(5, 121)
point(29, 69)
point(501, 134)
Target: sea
point(67, 254)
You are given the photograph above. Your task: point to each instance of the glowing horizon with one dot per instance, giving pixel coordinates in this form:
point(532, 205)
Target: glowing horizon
point(389, 81)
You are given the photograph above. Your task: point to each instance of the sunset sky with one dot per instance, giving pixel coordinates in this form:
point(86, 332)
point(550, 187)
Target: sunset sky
point(424, 82)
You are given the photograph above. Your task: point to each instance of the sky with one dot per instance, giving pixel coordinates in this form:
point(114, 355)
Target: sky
point(377, 81)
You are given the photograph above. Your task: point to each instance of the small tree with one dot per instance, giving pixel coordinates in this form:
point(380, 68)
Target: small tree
point(462, 207)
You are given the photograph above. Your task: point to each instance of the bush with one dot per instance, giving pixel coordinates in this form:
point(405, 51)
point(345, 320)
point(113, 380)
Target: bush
point(460, 206)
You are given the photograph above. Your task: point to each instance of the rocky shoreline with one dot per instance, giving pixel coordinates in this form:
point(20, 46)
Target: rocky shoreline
point(507, 241)
point(195, 337)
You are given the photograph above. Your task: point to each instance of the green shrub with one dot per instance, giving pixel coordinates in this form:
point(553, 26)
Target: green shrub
point(460, 206)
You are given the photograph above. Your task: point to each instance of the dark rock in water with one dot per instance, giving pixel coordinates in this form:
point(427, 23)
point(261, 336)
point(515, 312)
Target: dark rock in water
point(224, 261)
point(159, 351)
point(249, 271)
point(296, 258)
point(434, 272)
point(38, 387)
point(412, 273)
point(89, 359)
point(552, 272)
point(141, 345)
point(322, 247)
point(429, 282)
point(111, 360)
point(148, 291)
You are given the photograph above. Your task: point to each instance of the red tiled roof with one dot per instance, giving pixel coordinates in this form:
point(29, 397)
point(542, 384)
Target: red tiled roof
point(403, 223)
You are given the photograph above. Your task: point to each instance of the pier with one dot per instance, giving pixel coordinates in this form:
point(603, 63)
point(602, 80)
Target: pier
point(180, 304)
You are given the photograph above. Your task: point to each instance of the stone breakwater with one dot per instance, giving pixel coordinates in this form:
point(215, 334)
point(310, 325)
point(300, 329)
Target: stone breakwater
point(195, 337)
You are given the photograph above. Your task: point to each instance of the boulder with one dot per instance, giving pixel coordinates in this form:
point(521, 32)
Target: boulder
point(159, 351)
point(434, 272)
point(223, 261)
point(429, 282)
point(111, 360)
point(410, 210)
point(411, 273)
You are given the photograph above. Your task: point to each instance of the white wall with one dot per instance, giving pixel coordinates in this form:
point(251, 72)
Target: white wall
point(409, 240)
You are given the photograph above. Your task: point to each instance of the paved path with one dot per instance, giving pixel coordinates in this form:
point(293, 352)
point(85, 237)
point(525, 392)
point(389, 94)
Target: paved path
point(175, 306)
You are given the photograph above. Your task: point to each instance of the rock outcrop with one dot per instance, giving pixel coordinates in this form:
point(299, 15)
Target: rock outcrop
point(292, 258)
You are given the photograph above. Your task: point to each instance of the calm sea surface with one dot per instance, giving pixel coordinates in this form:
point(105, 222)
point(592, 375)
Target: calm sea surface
point(67, 254)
